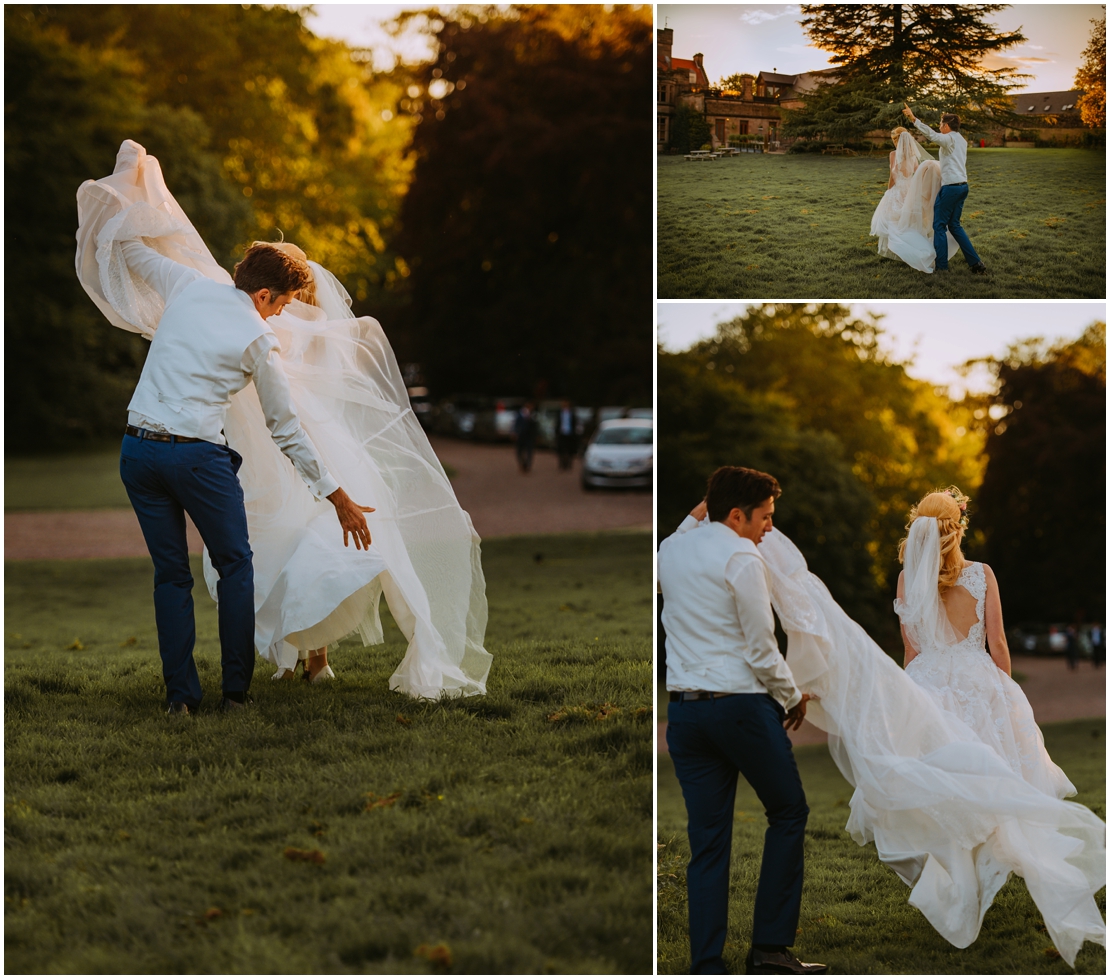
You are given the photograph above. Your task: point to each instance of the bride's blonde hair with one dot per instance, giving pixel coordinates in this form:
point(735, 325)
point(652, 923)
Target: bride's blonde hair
point(949, 507)
point(308, 293)
point(897, 131)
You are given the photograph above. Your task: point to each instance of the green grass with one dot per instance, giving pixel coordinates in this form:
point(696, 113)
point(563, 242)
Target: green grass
point(84, 481)
point(854, 911)
point(797, 227)
point(136, 843)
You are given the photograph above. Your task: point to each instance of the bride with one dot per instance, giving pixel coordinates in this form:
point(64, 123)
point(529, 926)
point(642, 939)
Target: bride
point(952, 781)
point(311, 591)
point(903, 221)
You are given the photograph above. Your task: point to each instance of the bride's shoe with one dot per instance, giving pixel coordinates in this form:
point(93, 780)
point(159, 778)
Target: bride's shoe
point(321, 675)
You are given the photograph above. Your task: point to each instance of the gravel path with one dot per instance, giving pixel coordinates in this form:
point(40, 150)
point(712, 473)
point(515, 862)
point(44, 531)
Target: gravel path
point(1055, 693)
point(501, 502)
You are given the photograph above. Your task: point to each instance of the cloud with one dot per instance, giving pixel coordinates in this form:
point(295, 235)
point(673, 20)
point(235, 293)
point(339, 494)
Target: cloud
point(1034, 61)
point(796, 48)
point(761, 16)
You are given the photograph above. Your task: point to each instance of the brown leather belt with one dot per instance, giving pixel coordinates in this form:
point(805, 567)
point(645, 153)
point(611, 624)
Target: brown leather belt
point(676, 695)
point(142, 433)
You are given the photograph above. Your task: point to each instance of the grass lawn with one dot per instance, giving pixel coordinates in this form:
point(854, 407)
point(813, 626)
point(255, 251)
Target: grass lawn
point(764, 226)
point(338, 828)
point(854, 911)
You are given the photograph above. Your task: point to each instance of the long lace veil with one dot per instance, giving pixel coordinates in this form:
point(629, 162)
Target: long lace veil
point(921, 610)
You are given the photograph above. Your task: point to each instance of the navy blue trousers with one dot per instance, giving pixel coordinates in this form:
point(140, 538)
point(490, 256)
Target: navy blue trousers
point(166, 480)
point(947, 209)
point(711, 743)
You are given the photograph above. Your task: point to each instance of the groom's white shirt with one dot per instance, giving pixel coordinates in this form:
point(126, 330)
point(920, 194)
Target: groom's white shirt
point(210, 344)
point(717, 613)
point(952, 152)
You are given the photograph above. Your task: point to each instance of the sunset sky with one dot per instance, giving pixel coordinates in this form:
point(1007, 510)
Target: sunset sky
point(938, 336)
point(767, 37)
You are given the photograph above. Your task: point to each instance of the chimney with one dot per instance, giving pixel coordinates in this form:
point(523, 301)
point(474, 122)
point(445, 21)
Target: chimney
point(698, 62)
point(748, 88)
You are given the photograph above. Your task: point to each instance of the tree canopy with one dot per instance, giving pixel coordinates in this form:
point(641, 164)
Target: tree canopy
point(1091, 76)
point(528, 225)
point(1041, 509)
point(929, 55)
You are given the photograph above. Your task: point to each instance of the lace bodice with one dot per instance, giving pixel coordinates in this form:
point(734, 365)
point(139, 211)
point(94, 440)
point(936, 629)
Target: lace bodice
point(974, 580)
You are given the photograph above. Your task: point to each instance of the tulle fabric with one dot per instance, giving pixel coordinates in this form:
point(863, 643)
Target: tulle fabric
point(903, 221)
point(944, 810)
point(310, 590)
point(921, 609)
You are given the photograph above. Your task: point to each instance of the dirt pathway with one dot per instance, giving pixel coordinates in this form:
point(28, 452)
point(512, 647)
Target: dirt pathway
point(501, 502)
point(1055, 693)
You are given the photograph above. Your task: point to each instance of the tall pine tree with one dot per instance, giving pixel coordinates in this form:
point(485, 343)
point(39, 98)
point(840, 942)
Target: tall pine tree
point(929, 55)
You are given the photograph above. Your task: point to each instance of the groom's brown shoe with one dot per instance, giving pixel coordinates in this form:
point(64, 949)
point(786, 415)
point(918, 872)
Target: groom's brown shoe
point(780, 963)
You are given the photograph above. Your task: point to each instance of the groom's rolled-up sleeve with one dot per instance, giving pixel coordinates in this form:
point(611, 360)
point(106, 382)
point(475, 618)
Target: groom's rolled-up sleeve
point(262, 361)
point(931, 134)
point(747, 578)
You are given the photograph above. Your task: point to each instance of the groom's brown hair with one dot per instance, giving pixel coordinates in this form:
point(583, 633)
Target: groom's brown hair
point(735, 486)
point(266, 267)
point(951, 120)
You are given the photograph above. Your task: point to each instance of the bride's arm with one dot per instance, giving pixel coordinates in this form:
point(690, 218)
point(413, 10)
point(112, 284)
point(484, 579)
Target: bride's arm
point(996, 633)
point(890, 183)
point(911, 650)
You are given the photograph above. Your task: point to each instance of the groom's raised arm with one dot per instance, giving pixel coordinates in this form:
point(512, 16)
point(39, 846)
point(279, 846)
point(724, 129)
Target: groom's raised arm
point(930, 134)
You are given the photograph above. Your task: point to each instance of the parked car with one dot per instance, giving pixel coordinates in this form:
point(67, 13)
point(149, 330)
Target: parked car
point(619, 454)
point(422, 405)
point(640, 413)
point(457, 415)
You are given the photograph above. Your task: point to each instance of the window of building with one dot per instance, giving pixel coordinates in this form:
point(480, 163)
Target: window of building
point(661, 129)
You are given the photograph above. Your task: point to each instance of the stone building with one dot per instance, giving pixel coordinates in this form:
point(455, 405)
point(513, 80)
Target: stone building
point(754, 111)
point(1053, 116)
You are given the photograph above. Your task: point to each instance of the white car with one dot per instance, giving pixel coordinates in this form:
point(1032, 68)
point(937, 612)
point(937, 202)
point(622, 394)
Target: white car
point(620, 454)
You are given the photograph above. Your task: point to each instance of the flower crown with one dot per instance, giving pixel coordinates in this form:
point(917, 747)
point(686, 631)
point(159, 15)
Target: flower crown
point(962, 500)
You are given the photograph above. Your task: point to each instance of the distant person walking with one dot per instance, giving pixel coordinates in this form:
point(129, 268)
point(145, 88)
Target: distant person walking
point(950, 199)
point(525, 430)
point(1071, 649)
point(1098, 646)
point(566, 435)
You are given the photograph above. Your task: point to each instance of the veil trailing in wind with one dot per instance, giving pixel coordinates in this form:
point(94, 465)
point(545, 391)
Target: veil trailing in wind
point(944, 810)
point(310, 590)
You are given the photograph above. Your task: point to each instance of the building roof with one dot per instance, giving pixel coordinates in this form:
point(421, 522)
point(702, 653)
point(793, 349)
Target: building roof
point(685, 64)
point(1044, 103)
point(770, 76)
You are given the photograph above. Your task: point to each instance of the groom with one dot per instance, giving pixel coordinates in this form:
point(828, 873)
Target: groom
point(949, 204)
point(211, 342)
point(731, 692)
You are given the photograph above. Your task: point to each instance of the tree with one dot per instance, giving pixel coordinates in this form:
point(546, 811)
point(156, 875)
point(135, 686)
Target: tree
point(305, 131)
point(690, 130)
point(1041, 507)
point(68, 107)
point(1091, 77)
point(900, 436)
point(735, 82)
point(527, 227)
point(706, 419)
point(930, 55)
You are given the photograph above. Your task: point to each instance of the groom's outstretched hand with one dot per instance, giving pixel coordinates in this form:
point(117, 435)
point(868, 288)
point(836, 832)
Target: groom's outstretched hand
point(351, 518)
point(908, 113)
point(796, 714)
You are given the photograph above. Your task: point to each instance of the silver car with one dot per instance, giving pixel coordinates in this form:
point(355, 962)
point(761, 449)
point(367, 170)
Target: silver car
point(619, 454)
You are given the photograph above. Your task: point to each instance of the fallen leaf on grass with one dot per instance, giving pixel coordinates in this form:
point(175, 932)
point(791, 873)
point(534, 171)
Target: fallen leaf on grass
point(303, 856)
point(1054, 222)
point(373, 801)
point(585, 712)
point(124, 835)
point(128, 642)
point(525, 819)
point(77, 644)
point(438, 955)
point(1051, 953)
point(401, 719)
point(212, 913)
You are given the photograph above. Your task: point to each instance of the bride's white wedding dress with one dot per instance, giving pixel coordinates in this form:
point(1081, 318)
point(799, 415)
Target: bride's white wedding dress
point(903, 221)
point(310, 590)
point(945, 810)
